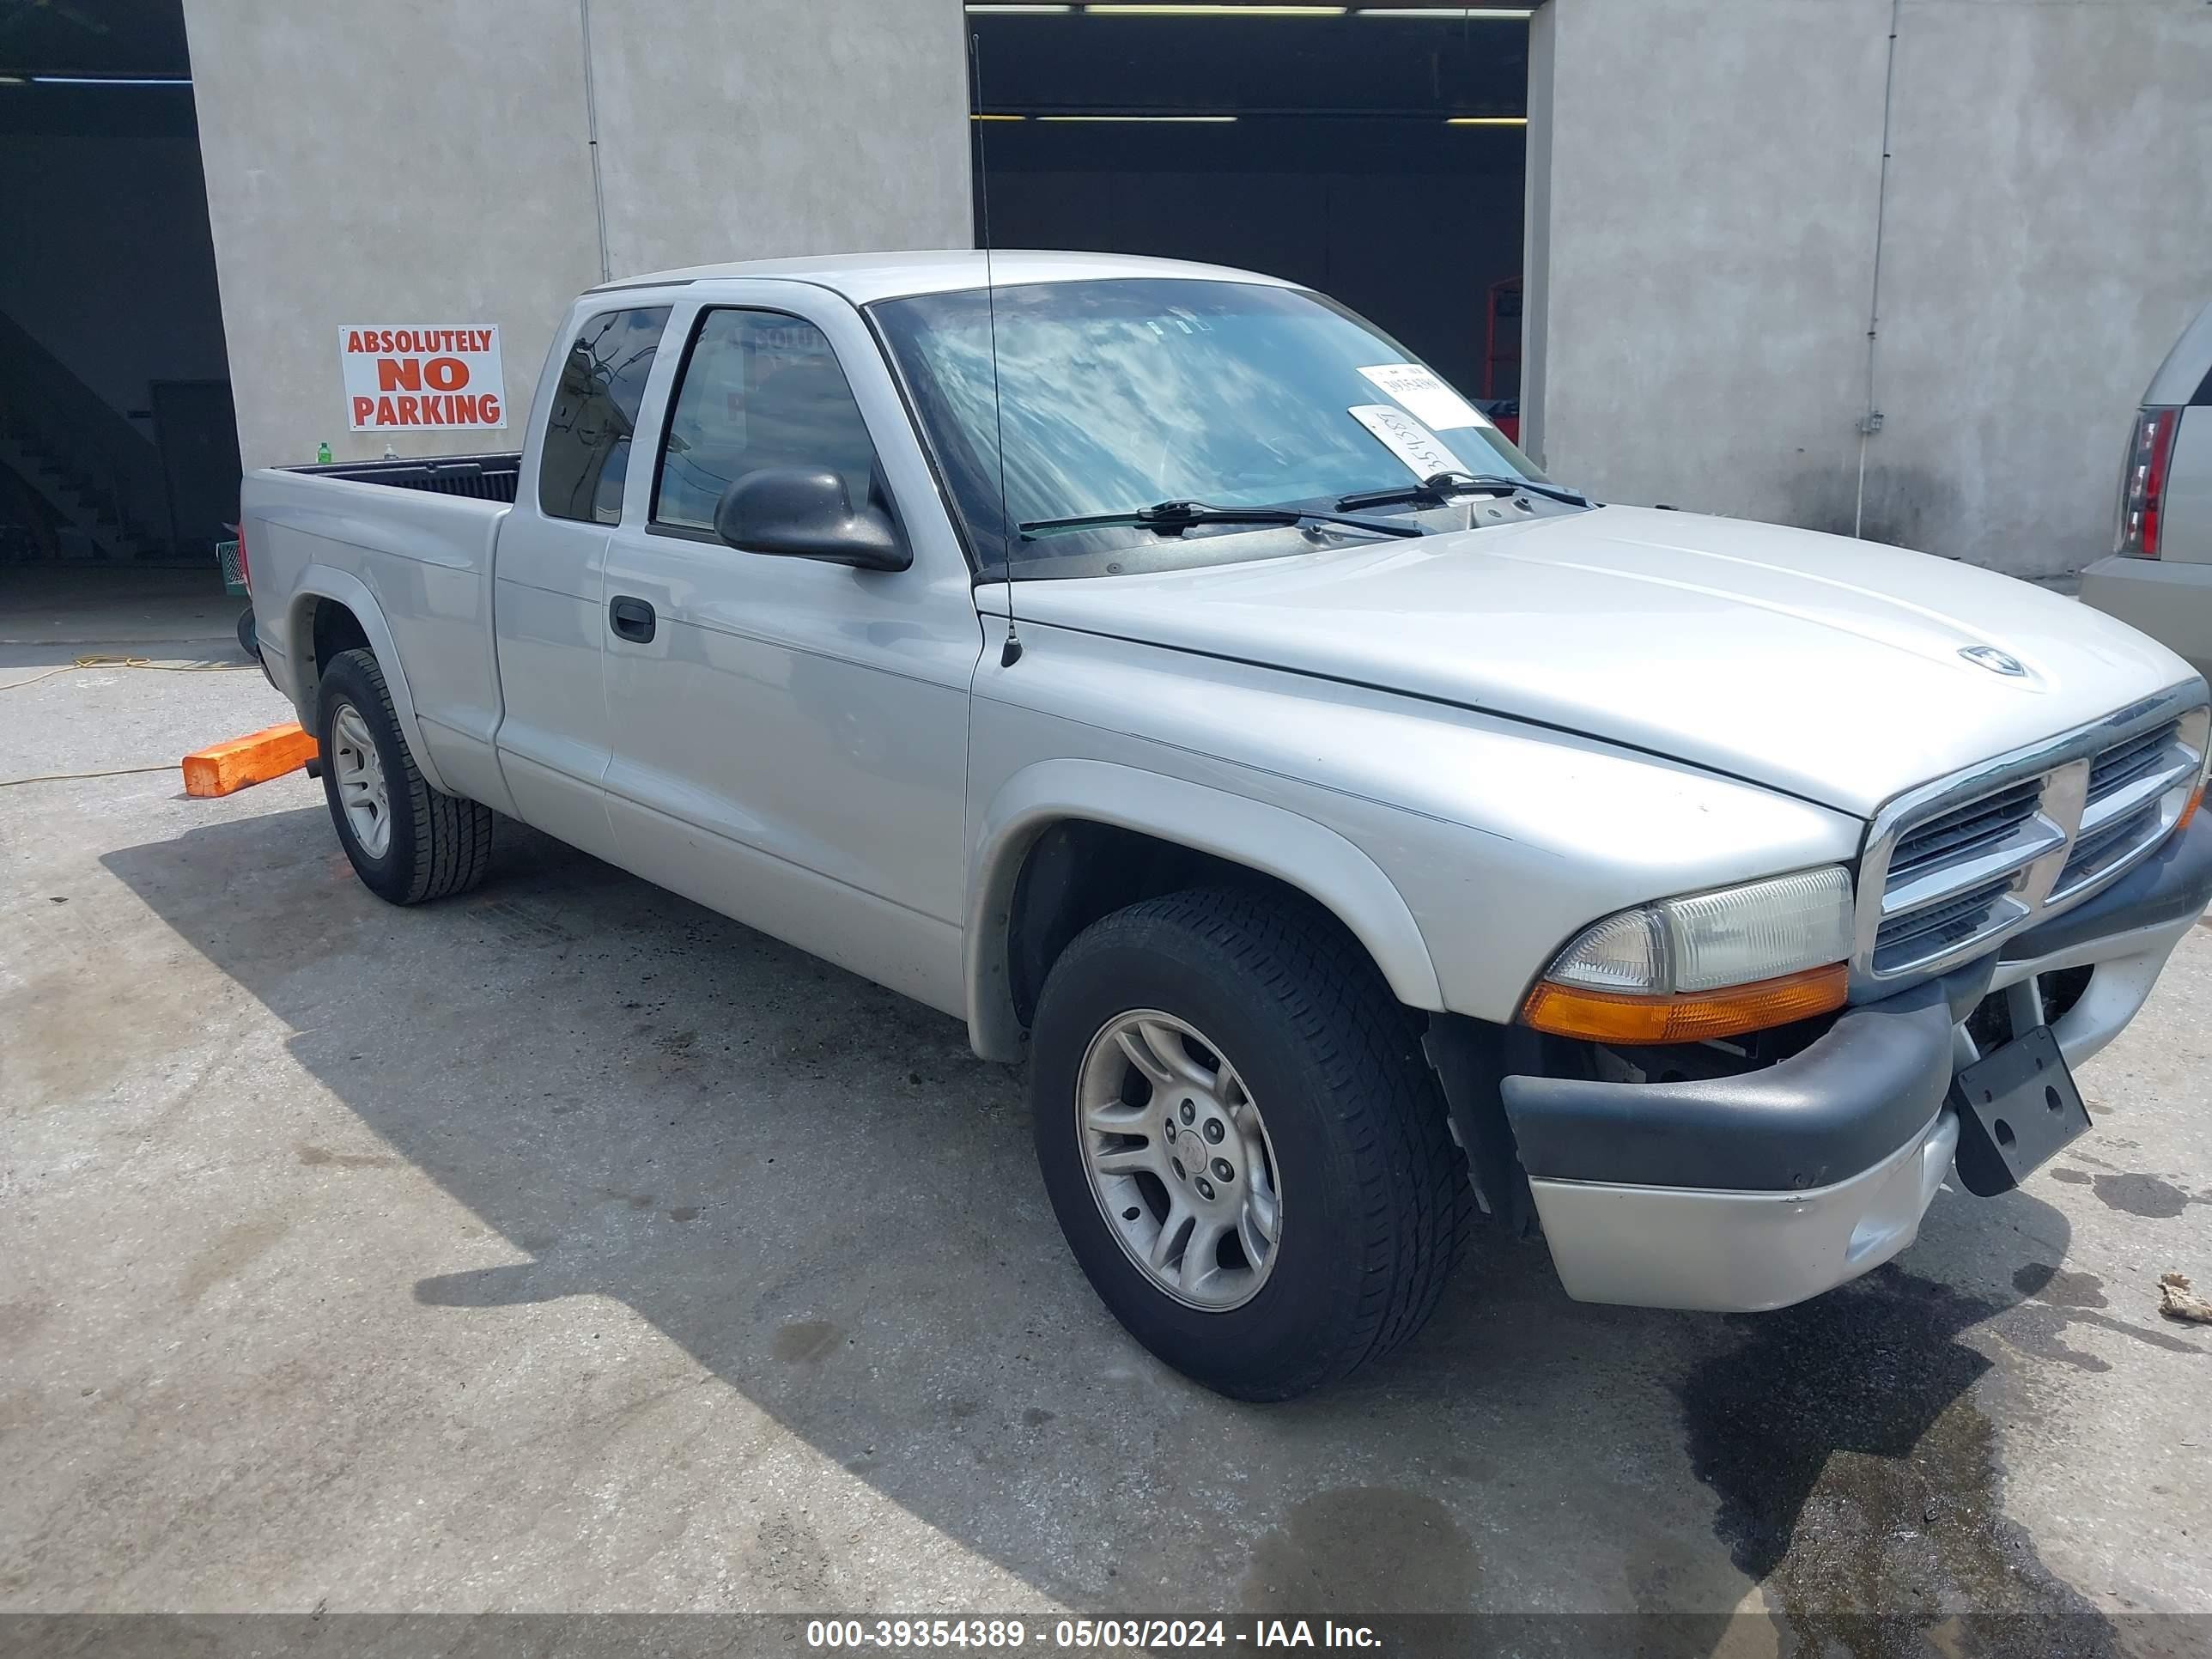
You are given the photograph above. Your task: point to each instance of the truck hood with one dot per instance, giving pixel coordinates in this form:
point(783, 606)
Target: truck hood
point(1836, 670)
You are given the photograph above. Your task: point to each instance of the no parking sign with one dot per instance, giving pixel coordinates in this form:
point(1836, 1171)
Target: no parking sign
point(440, 375)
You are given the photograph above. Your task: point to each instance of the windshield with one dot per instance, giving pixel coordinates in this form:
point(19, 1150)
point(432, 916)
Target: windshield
point(1116, 395)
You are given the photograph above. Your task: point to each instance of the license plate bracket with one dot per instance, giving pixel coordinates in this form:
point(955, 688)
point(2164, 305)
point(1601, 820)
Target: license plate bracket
point(2016, 1106)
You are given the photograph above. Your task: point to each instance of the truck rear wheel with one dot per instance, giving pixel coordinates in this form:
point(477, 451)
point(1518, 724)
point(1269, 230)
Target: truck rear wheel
point(1246, 1152)
point(407, 841)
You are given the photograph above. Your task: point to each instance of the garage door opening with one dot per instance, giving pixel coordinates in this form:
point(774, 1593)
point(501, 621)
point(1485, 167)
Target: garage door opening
point(1374, 153)
point(118, 447)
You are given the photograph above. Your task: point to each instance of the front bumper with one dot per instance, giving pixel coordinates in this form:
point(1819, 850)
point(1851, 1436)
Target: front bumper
point(1751, 1192)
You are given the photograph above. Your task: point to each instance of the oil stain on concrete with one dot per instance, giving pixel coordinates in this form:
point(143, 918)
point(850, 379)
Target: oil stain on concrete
point(321, 1158)
point(804, 1341)
point(1360, 1548)
point(1858, 1481)
point(231, 1252)
point(2060, 1302)
point(2061, 1288)
point(2145, 1196)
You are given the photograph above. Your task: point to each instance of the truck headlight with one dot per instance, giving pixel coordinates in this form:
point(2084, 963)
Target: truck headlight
point(1711, 964)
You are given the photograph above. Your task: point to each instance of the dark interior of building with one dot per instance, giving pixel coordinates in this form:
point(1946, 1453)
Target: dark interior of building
point(1377, 154)
point(118, 443)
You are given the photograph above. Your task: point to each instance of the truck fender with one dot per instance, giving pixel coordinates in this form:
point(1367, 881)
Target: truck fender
point(322, 582)
point(1308, 856)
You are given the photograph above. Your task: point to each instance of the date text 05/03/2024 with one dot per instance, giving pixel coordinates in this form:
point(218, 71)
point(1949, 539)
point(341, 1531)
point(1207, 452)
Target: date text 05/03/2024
point(896, 1634)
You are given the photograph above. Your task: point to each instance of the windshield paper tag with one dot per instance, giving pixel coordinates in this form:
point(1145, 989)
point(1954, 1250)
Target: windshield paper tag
point(1421, 449)
point(1430, 398)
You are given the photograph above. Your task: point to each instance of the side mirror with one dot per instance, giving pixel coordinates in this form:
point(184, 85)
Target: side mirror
point(805, 513)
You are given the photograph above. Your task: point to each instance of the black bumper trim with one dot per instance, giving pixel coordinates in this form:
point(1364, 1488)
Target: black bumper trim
point(2174, 882)
point(1859, 1093)
point(249, 642)
point(1856, 1096)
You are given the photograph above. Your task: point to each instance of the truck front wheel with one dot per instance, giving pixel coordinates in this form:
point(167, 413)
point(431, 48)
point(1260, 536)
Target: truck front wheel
point(1243, 1147)
point(407, 841)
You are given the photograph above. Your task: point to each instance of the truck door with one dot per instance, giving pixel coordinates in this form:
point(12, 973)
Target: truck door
point(789, 735)
point(548, 578)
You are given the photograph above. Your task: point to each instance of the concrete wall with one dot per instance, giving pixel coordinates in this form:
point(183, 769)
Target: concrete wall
point(1710, 172)
point(418, 161)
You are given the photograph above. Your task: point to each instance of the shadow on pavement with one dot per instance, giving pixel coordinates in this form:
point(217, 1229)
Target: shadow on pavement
point(813, 1187)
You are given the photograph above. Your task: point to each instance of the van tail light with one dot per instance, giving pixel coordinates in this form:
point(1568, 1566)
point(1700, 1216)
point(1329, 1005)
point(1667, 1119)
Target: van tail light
point(2142, 486)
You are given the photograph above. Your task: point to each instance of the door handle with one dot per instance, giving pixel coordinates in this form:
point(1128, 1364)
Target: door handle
point(631, 618)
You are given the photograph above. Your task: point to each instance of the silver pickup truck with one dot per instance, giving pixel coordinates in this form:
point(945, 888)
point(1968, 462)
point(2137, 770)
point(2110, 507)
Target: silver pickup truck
point(1359, 835)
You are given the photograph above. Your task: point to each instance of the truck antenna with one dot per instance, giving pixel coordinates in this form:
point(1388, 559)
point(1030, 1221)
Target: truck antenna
point(1012, 653)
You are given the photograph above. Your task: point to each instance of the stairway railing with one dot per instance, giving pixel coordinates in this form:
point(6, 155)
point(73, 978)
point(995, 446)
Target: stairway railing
point(113, 465)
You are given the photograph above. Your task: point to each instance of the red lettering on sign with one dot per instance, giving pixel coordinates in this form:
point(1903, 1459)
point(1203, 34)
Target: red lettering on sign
point(399, 374)
point(446, 373)
point(362, 408)
point(465, 409)
point(488, 406)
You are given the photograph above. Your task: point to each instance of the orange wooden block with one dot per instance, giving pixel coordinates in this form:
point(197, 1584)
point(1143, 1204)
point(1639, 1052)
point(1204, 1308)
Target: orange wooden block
point(229, 767)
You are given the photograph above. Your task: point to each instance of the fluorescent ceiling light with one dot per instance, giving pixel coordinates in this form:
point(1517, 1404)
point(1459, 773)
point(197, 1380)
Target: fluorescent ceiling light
point(985, 117)
point(1479, 14)
point(1209, 120)
point(1121, 10)
point(1485, 120)
point(110, 81)
point(11, 80)
point(1019, 10)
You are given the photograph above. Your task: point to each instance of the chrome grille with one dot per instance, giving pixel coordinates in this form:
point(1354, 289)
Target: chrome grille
point(1965, 830)
point(2098, 850)
point(1936, 929)
point(2124, 763)
point(1953, 868)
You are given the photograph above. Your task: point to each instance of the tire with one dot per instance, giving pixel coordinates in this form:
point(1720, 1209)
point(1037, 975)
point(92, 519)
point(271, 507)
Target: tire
point(1372, 1201)
point(433, 845)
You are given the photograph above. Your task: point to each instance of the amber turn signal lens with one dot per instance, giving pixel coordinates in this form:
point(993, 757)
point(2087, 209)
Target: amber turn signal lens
point(1609, 1016)
point(2189, 812)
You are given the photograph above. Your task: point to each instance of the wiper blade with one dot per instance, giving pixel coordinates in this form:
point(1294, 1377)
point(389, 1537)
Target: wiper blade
point(1173, 518)
point(1441, 487)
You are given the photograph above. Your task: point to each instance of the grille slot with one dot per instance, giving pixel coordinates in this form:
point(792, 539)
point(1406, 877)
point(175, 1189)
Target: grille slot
point(1930, 931)
point(2101, 848)
point(1952, 836)
point(2124, 763)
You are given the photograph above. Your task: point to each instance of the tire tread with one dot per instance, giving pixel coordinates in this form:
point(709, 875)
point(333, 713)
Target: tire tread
point(1414, 1227)
point(452, 835)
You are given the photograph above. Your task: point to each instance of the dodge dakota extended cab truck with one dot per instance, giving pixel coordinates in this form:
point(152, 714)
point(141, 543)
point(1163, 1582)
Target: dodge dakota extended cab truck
point(1157, 668)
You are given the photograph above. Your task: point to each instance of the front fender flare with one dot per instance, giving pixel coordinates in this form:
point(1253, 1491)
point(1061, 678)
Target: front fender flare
point(322, 582)
point(1308, 856)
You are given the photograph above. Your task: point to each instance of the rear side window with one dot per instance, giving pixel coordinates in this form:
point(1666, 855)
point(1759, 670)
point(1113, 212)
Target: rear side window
point(760, 390)
point(588, 431)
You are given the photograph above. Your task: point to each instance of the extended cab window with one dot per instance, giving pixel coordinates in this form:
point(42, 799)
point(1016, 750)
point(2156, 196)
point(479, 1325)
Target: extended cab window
point(760, 390)
point(588, 431)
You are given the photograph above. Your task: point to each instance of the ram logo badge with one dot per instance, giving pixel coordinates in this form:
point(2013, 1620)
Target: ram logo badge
point(1996, 661)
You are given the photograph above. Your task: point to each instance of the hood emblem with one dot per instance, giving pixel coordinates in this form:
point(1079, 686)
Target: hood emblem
point(1996, 661)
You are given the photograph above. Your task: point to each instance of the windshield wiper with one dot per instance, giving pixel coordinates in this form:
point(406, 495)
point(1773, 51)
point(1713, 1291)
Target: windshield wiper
point(1440, 487)
point(1173, 518)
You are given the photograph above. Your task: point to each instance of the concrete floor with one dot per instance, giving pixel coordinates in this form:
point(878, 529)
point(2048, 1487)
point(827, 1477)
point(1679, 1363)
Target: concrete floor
point(568, 1247)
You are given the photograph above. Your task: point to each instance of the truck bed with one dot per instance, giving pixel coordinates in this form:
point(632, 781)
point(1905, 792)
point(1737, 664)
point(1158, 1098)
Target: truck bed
point(407, 547)
point(482, 477)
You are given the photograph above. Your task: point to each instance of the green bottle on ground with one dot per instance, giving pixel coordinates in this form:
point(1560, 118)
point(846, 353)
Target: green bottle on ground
point(323, 454)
